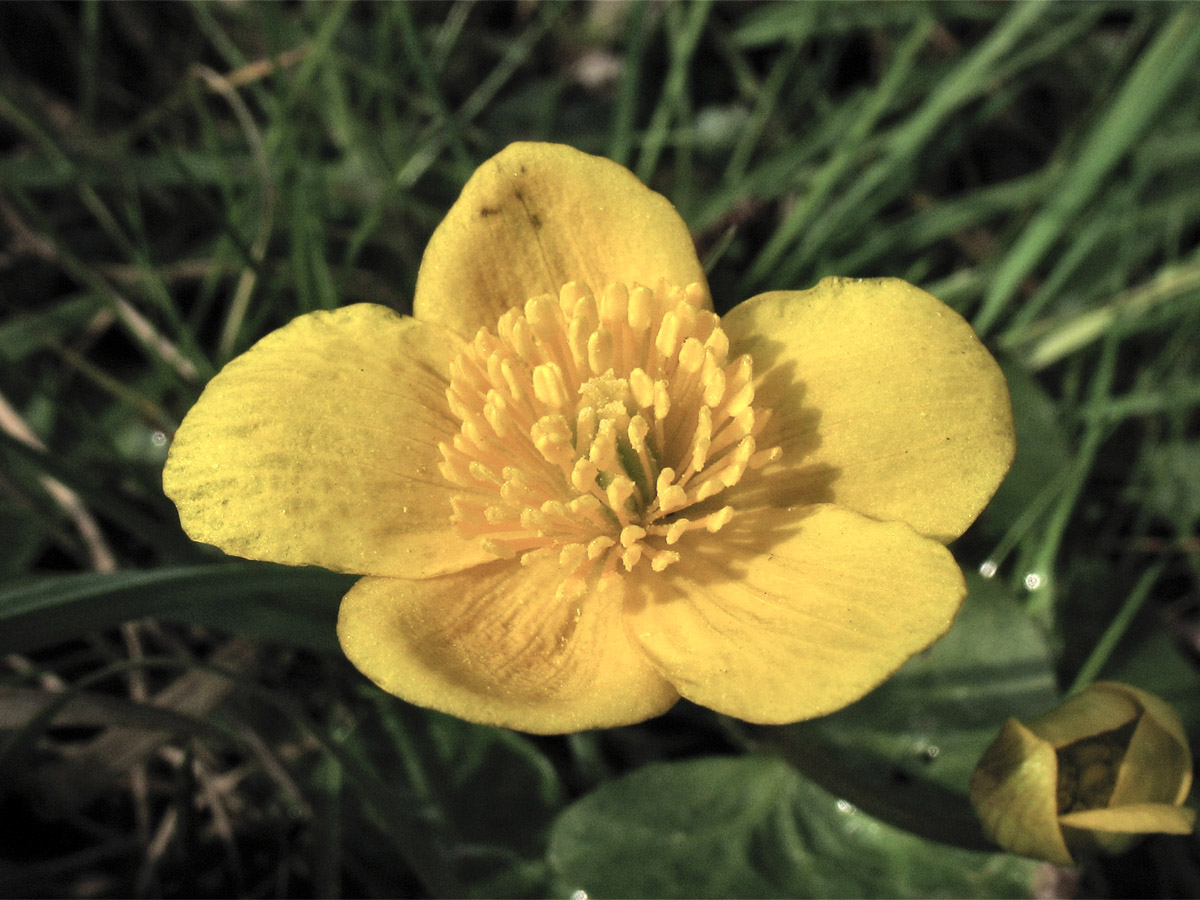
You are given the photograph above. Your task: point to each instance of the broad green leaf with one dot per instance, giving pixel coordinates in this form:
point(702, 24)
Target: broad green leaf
point(497, 784)
point(905, 752)
point(753, 827)
point(276, 603)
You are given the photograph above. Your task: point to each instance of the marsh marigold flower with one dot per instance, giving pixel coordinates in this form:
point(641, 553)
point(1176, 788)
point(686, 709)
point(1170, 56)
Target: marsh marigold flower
point(1106, 766)
point(576, 494)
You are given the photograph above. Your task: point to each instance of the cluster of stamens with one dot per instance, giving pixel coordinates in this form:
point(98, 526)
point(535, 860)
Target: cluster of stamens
point(591, 425)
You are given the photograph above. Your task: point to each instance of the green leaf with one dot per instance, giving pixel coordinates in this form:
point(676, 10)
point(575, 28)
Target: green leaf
point(277, 603)
point(496, 784)
point(753, 827)
point(905, 752)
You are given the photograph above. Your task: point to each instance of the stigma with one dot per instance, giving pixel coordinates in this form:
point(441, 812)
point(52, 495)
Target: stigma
point(600, 428)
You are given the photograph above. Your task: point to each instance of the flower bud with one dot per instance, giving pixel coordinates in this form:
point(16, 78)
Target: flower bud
point(1106, 765)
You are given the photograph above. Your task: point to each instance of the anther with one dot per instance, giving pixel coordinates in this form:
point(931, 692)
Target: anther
point(597, 547)
point(548, 385)
point(718, 344)
point(482, 473)
point(618, 492)
point(583, 475)
point(668, 335)
point(740, 401)
point(630, 557)
point(572, 556)
point(600, 351)
point(663, 558)
point(641, 302)
point(546, 319)
point(691, 356)
point(614, 303)
point(569, 296)
point(631, 534)
point(714, 387)
point(642, 387)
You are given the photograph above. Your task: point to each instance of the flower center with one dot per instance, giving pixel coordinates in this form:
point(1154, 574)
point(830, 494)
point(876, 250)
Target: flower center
point(1087, 769)
point(594, 424)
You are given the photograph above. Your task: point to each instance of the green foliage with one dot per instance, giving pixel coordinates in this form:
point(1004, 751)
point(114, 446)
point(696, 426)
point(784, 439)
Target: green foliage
point(296, 606)
point(905, 752)
point(177, 180)
point(753, 827)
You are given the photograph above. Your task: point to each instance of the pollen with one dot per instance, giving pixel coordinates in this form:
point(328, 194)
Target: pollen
point(598, 429)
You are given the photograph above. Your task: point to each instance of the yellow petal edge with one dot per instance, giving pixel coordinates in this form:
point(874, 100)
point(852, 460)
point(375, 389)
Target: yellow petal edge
point(885, 402)
point(318, 446)
point(494, 646)
point(537, 216)
point(793, 613)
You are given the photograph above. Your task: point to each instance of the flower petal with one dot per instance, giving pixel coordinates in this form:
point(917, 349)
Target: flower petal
point(1156, 768)
point(1014, 791)
point(790, 614)
point(1159, 744)
point(318, 446)
point(884, 401)
point(1085, 715)
point(1134, 818)
point(493, 645)
point(536, 216)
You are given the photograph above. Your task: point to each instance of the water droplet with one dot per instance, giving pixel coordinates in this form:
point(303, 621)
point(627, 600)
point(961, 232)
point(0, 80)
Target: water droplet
point(158, 439)
point(988, 568)
point(579, 895)
point(1033, 581)
point(846, 807)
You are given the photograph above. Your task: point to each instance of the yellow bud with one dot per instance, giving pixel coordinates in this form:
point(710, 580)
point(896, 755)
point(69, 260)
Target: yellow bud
point(1105, 766)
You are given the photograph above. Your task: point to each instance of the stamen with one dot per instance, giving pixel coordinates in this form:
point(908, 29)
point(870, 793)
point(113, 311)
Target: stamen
point(641, 304)
point(600, 351)
point(548, 385)
point(590, 424)
point(642, 386)
point(631, 534)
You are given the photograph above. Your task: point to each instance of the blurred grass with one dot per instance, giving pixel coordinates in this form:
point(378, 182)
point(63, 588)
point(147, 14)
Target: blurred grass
point(177, 180)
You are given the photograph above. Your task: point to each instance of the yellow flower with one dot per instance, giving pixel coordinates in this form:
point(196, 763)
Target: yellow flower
point(1107, 765)
point(576, 494)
